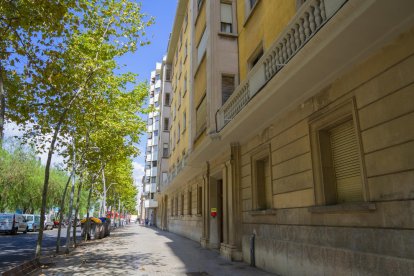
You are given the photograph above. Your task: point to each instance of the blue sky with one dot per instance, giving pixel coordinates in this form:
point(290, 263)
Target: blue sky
point(143, 61)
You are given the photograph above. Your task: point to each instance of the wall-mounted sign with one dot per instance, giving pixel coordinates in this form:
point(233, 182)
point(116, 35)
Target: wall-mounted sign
point(213, 212)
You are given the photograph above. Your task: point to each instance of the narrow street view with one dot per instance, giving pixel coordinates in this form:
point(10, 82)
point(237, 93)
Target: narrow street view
point(207, 137)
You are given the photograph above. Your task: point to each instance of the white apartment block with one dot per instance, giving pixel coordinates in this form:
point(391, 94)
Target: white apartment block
point(151, 155)
point(165, 97)
point(158, 129)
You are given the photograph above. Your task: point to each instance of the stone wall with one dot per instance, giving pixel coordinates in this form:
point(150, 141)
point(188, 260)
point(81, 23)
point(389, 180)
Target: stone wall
point(375, 238)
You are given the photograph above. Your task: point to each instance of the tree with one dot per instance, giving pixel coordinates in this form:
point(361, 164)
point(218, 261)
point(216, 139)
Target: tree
point(27, 30)
point(80, 75)
point(23, 187)
point(60, 73)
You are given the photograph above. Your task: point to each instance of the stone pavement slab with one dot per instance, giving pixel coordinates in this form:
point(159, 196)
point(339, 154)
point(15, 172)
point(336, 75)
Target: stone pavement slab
point(140, 250)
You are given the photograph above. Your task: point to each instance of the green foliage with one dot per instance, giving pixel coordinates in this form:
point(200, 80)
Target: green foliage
point(21, 181)
point(62, 83)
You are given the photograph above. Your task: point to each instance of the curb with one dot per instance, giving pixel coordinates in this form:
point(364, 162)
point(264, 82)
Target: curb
point(23, 269)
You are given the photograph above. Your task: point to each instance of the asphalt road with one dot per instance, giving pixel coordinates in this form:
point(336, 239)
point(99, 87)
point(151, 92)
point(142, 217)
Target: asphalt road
point(16, 249)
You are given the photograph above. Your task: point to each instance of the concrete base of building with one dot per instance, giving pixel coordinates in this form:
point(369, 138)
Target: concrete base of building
point(332, 251)
point(204, 243)
point(231, 252)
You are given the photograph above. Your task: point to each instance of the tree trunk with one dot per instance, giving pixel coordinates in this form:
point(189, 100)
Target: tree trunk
point(2, 106)
point(104, 191)
point(88, 224)
point(46, 186)
point(61, 212)
point(47, 170)
point(72, 193)
point(77, 210)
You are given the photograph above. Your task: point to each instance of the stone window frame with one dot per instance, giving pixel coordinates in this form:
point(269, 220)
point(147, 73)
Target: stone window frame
point(260, 153)
point(321, 121)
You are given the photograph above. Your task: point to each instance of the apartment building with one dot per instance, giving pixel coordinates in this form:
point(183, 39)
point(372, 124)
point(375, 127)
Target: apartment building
point(151, 157)
point(291, 137)
point(164, 138)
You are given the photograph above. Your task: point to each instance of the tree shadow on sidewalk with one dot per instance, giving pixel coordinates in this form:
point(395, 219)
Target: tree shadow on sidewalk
point(203, 261)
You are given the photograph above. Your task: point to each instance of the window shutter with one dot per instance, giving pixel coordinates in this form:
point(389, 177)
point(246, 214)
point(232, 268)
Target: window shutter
point(345, 158)
point(226, 13)
point(227, 87)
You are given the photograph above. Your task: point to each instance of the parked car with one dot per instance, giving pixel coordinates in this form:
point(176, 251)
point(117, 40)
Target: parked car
point(33, 222)
point(48, 223)
point(13, 223)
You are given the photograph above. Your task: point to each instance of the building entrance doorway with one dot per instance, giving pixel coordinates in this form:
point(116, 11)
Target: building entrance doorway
point(216, 205)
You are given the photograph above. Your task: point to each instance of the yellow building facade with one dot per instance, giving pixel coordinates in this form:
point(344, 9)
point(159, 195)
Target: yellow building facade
point(297, 152)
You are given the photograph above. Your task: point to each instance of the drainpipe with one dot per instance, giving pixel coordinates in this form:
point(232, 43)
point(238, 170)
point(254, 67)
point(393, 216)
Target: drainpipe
point(252, 256)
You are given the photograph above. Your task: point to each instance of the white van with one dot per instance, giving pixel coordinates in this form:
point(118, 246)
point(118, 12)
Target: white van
point(48, 223)
point(13, 223)
point(33, 222)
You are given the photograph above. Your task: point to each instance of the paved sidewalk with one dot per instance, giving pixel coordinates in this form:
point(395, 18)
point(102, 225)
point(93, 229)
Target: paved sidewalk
point(140, 250)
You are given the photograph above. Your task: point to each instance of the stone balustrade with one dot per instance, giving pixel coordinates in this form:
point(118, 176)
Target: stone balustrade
point(309, 19)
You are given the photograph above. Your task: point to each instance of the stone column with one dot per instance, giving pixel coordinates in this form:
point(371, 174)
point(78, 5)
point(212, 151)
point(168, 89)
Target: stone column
point(225, 212)
point(231, 248)
point(206, 209)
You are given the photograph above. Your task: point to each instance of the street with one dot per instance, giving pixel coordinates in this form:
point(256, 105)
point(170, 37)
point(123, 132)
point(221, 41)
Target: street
point(16, 249)
point(140, 250)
